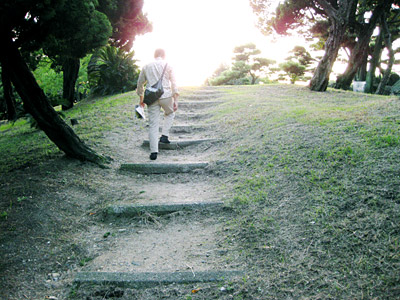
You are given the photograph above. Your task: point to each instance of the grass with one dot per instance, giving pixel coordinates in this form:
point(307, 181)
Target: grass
point(21, 146)
point(313, 179)
point(316, 192)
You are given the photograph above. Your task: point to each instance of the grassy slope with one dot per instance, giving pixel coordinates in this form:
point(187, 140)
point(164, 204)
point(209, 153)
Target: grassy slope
point(313, 178)
point(316, 189)
point(21, 145)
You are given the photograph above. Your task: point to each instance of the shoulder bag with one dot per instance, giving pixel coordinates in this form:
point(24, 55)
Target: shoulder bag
point(154, 92)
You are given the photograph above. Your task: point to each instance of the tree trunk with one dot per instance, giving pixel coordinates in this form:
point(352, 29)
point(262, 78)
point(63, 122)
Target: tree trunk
point(360, 51)
point(8, 94)
point(362, 70)
point(376, 56)
point(355, 62)
point(253, 78)
point(36, 103)
point(320, 79)
point(70, 75)
point(388, 71)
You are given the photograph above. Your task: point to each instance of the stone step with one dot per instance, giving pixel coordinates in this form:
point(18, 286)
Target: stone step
point(203, 96)
point(187, 128)
point(162, 168)
point(176, 145)
point(197, 104)
point(129, 210)
point(150, 279)
point(191, 116)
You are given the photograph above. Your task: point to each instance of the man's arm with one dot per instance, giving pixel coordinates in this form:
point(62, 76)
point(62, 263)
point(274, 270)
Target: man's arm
point(141, 103)
point(174, 88)
point(175, 97)
point(140, 87)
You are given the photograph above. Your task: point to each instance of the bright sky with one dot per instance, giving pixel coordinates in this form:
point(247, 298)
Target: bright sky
point(200, 35)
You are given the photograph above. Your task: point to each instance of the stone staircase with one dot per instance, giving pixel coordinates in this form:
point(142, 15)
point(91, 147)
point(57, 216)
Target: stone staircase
point(181, 245)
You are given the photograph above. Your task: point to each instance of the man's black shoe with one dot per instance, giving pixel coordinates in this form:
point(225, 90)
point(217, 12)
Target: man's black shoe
point(153, 156)
point(164, 139)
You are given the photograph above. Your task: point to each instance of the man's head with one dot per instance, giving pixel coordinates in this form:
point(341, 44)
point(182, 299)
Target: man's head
point(159, 53)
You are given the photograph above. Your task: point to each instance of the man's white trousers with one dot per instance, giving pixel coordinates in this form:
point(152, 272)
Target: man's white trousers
point(153, 110)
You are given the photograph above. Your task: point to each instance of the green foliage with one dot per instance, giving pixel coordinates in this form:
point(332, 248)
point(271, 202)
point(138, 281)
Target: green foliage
point(293, 69)
point(112, 71)
point(229, 77)
point(49, 80)
point(4, 215)
point(296, 64)
point(82, 84)
point(79, 29)
point(245, 52)
point(301, 55)
point(21, 145)
point(246, 69)
point(85, 260)
point(127, 21)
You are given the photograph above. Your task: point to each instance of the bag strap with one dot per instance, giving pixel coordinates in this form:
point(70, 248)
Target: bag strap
point(162, 75)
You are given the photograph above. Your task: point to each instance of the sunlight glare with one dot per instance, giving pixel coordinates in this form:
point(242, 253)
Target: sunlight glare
point(200, 35)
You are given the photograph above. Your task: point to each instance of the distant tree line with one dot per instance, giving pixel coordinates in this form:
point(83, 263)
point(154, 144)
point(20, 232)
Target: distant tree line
point(335, 24)
point(363, 28)
point(248, 67)
point(45, 42)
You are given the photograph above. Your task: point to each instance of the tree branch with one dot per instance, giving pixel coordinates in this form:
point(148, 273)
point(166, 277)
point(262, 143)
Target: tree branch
point(328, 8)
point(317, 9)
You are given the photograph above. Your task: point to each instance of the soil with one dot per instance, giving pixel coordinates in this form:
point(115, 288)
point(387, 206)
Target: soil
point(55, 225)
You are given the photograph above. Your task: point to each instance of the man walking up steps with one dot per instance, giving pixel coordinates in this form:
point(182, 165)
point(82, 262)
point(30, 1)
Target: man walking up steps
point(149, 75)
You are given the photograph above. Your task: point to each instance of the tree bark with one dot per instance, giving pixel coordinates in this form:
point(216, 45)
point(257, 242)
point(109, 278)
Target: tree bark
point(362, 70)
point(388, 71)
point(339, 17)
point(36, 103)
point(320, 79)
point(70, 75)
point(355, 61)
point(360, 51)
point(8, 94)
point(376, 56)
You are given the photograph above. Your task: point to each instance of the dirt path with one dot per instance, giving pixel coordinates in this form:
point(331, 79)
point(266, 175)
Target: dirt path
point(184, 243)
point(158, 231)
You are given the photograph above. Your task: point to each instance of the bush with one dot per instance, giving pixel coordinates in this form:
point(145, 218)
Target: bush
point(112, 71)
point(49, 80)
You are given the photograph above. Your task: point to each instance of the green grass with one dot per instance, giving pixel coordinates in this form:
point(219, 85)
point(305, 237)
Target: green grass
point(21, 146)
point(316, 190)
point(313, 179)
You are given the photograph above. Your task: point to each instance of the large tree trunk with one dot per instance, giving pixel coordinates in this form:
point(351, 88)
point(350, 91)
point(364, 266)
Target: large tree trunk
point(355, 62)
point(388, 71)
point(8, 94)
point(362, 70)
point(339, 18)
point(320, 79)
point(376, 56)
point(36, 103)
point(70, 75)
point(360, 51)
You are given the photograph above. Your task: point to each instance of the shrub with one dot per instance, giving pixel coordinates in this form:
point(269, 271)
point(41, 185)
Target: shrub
point(112, 71)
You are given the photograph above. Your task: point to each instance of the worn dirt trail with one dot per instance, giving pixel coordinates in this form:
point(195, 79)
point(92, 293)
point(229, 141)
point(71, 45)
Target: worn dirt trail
point(167, 222)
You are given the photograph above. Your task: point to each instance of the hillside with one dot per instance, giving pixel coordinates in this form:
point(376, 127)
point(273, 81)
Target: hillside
point(309, 184)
